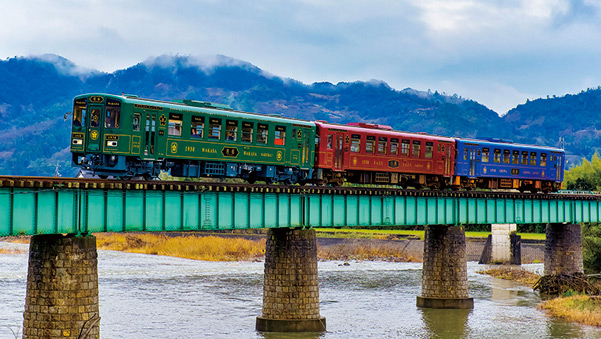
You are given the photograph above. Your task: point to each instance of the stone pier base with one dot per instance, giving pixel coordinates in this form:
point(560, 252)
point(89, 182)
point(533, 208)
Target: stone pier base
point(62, 288)
point(444, 277)
point(291, 289)
point(563, 249)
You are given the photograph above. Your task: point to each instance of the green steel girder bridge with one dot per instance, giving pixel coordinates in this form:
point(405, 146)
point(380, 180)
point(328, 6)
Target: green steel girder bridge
point(34, 205)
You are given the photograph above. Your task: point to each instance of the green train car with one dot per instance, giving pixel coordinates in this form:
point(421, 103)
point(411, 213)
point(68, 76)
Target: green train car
point(125, 136)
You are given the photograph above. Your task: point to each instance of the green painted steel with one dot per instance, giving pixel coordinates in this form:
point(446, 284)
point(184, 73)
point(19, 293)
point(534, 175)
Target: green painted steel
point(28, 211)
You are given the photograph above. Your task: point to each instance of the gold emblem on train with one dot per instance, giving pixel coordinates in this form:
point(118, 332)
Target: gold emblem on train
point(174, 147)
point(163, 120)
point(94, 135)
point(279, 156)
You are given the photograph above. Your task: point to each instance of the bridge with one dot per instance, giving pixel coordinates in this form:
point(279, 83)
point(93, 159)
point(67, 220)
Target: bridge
point(61, 213)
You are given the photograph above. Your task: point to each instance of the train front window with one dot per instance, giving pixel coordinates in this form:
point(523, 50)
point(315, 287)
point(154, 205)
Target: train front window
point(79, 116)
point(95, 118)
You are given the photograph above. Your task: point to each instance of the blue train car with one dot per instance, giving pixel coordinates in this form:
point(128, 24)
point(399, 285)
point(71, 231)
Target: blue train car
point(498, 164)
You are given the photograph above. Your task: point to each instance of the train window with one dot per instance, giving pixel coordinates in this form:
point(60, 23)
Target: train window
point(247, 131)
point(214, 128)
point(135, 122)
point(370, 146)
point(197, 126)
point(394, 146)
point(416, 150)
point(524, 158)
point(405, 147)
point(231, 130)
point(465, 154)
point(95, 118)
point(532, 158)
point(317, 140)
point(497, 156)
point(543, 159)
point(429, 149)
point(113, 113)
point(506, 156)
point(262, 134)
point(382, 143)
point(553, 158)
point(79, 116)
point(175, 124)
point(329, 143)
point(355, 143)
point(280, 135)
point(516, 158)
point(485, 155)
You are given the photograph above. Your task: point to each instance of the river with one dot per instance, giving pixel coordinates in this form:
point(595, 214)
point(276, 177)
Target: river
point(146, 296)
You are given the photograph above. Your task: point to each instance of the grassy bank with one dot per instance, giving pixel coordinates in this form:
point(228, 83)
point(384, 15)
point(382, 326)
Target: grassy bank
point(582, 309)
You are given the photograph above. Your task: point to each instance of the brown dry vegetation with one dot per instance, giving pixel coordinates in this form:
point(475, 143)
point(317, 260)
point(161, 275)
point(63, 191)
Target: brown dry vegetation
point(354, 251)
point(12, 251)
point(208, 248)
point(516, 274)
point(582, 309)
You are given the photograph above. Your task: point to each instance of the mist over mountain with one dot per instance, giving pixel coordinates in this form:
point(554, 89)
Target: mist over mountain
point(37, 91)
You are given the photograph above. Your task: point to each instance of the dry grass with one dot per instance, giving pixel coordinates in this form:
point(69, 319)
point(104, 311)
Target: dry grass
point(12, 251)
point(209, 248)
point(516, 274)
point(353, 251)
point(582, 309)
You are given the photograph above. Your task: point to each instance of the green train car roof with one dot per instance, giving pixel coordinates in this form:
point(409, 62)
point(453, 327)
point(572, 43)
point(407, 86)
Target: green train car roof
point(193, 106)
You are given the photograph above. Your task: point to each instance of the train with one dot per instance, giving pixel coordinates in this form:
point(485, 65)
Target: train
point(124, 136)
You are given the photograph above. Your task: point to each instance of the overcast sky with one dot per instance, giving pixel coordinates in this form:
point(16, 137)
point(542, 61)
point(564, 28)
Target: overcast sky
point(497, 52)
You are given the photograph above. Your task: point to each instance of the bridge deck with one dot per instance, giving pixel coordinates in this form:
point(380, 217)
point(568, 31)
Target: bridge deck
point(68, 205)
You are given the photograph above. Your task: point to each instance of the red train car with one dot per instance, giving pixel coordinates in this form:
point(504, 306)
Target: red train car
point(376, 154)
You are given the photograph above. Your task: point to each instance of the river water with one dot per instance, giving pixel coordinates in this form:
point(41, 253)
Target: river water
point(146, 296)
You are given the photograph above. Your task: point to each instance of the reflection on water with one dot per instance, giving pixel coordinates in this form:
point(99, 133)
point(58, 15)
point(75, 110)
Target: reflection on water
point(144, 296)
point(448, 324)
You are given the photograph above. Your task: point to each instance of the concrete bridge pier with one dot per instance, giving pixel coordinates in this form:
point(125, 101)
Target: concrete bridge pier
point(503, 246)
point(444, 277)
point(62, 288)
point(563, 249)
point(290, 287)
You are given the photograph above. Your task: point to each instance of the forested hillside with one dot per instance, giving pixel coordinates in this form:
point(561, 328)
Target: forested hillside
point(37, 91)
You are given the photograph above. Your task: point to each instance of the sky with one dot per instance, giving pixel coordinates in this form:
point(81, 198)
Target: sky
point(497, 52)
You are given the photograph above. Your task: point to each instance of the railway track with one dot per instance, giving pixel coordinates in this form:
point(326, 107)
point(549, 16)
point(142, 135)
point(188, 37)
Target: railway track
point(111, 184)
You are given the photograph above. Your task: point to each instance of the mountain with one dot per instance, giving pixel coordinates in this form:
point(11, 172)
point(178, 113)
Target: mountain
point(37, 91)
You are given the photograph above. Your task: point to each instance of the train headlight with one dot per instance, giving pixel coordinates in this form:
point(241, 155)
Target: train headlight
point(111, 143)
point(77, 141)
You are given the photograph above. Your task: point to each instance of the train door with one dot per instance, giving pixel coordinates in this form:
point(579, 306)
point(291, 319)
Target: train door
point(558, 166)
point(447, 159)
point(150, 135)
point(473, 159)
point(338, 152)
point(94, 134)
